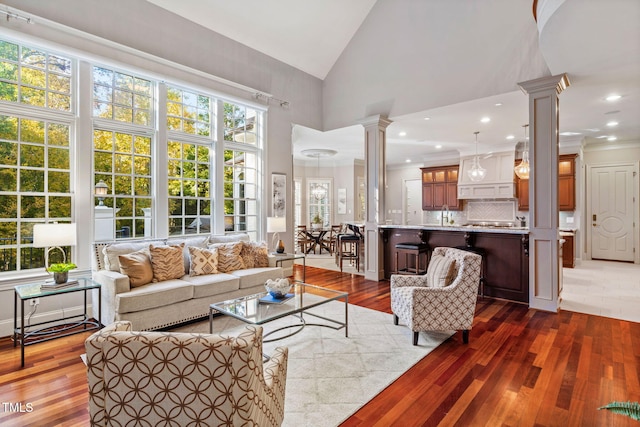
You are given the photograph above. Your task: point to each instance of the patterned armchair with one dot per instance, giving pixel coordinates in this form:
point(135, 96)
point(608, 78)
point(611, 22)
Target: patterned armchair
point(425, 305)
point(163, 378)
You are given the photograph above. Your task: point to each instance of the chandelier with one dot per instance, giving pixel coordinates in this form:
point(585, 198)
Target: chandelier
point(523, 169)
point(477, 172)
point(319, 191)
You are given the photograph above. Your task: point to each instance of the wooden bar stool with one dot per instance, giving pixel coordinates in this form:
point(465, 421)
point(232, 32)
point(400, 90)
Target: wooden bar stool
point(415, 250)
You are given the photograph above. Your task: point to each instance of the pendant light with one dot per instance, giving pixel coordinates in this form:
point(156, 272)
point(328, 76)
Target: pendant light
point(477, 172)
point(523, 169)
point(319, 191)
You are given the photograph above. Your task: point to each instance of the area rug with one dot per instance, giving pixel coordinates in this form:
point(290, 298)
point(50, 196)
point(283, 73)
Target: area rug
point(329, 375)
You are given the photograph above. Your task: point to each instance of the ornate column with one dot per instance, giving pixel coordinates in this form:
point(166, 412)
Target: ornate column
point(375, 175)
point(545, 267)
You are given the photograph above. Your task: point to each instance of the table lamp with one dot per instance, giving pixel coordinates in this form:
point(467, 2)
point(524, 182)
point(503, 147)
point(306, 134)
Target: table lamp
point(276, 225)
point(54, 236)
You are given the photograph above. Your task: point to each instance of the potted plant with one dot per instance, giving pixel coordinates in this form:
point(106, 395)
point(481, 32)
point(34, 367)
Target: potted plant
point(61, 271)
point(316, 221)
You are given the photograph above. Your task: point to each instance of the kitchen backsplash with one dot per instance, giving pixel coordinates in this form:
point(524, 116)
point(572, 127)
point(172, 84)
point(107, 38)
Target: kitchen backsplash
point(480, 210)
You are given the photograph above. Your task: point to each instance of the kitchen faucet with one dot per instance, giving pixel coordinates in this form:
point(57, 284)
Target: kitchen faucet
point(445, 208)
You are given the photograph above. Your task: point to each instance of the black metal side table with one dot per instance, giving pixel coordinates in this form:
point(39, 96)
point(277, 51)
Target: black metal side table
point(63, 327)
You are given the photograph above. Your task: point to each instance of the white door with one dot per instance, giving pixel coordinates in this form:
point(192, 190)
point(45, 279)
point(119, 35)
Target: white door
point(413, 202)
point(611, 213)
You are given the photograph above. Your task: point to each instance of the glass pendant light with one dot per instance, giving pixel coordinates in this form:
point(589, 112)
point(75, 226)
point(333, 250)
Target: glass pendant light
point(523, 169)
point(477, 172)
point(319, 191)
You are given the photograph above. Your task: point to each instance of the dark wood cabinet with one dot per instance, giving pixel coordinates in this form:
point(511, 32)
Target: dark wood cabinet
point(566, 185)
point(440, 188)
point(568, 251)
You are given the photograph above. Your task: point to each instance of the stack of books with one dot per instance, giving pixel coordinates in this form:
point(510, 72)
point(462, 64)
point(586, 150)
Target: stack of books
point(51, 285)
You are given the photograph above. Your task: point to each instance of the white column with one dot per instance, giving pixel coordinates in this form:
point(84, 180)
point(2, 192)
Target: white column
point(375, 174)
point(545, 267)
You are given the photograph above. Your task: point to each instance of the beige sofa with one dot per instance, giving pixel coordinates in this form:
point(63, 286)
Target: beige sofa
point(165, 303)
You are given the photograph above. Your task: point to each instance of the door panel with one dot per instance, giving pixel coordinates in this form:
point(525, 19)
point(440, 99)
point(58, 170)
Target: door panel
point(611, 213)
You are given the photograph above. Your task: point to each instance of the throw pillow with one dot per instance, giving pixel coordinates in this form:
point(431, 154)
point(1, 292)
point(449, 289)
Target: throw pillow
point(203, 261)
point(137, 266)
point(255, 255)
point(167, 262)
point(229, 258)
point(441, 271)
point(197, 241)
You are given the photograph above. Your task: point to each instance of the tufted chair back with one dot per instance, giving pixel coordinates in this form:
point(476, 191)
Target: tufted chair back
point(423, 307)
point(164, 378)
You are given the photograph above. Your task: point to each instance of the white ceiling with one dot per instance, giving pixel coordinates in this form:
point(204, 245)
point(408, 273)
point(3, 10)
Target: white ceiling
point(596, 43)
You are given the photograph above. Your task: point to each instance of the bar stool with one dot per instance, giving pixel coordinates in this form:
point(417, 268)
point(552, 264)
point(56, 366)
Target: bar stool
point(349, 249)
point(415, 250)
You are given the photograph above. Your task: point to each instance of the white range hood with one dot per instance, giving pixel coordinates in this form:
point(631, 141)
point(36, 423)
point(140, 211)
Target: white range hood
point(498, 183)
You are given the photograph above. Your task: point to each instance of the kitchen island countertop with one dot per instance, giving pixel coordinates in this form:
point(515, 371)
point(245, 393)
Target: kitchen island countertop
point(474, 229)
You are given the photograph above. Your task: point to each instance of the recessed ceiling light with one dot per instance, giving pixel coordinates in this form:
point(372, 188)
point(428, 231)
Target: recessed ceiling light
point(438, 146)
point(403, 133)
point(498, 104)
point(602, 136)
point(485, 120)
point(613, 97)
point(612, 123)
point(569, 133)
point(510, 137)
point(408, 160)
point(611, 138)
point(427, 118)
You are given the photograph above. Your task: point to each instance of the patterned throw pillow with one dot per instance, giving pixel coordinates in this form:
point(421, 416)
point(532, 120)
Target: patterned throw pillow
point(229, 258)
point(255, 255)
point(167, 262)
point(441, 271)
point(203, 261)
point(137, 266)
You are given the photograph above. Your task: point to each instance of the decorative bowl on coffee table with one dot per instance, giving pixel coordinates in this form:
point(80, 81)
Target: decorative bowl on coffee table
point(278, 288)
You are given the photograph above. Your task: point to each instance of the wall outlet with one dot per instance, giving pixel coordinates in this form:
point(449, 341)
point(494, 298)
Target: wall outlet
point(34, 301)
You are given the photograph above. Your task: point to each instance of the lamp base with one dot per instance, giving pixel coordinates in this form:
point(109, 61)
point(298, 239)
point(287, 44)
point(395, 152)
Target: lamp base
point(280, 247)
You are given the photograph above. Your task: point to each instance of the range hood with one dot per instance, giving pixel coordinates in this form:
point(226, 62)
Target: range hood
point(499, 182)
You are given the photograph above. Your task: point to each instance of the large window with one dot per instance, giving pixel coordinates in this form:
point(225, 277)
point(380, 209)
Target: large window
point(122, 97)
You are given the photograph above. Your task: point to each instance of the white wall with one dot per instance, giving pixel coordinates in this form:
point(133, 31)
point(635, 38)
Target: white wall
point(147, 28)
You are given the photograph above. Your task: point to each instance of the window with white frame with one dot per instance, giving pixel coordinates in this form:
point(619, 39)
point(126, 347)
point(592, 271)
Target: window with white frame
point(35, 150)
point(189, 126)
point(319, 201)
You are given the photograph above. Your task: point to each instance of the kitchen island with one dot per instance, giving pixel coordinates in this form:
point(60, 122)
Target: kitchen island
point(506, 253)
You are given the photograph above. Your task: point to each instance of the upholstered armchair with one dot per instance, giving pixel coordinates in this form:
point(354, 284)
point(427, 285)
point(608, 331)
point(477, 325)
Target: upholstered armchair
point(444, 299)
point(164, 378)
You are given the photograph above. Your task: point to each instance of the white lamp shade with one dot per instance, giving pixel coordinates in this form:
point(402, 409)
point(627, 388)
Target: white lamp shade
point(276, 224)
point(50, 235)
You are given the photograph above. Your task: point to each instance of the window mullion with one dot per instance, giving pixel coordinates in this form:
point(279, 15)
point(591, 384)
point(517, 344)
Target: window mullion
point(160, 172)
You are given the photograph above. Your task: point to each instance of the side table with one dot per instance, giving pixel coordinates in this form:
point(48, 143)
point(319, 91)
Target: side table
point(41, 334)
point(292, 257)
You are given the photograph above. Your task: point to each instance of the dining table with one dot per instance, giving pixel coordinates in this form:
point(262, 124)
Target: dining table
point(316, 235)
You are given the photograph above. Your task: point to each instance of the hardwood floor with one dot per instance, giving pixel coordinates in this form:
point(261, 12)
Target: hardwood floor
point(521, 367)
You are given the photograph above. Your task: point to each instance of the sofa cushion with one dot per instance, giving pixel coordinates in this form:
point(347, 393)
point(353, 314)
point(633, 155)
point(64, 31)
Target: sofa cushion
point(213, 284)
point(250, 277)
point(229, 258)
point(229, 238)
point(167, 262)
point(203, 261)
point(154, 295)
point(114, 250)
point(441, 271)
point(137, 266)
point(255, 254)
point(194, 241)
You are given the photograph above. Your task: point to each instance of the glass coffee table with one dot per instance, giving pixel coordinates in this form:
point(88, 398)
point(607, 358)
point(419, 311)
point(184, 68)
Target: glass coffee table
point(251, 310)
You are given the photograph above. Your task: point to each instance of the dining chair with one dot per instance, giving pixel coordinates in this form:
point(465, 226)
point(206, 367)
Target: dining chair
point(302, 239)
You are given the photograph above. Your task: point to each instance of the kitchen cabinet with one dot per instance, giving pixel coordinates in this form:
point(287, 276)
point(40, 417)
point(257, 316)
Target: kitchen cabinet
point(568, 250)
point(566, 186)
point(440, 188)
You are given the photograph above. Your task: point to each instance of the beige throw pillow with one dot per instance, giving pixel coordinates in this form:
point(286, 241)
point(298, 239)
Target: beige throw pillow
point(137, 266)
point(167, 262)
point(255, 255)
point(203, 261)
point(229, 258)
point(441, 271)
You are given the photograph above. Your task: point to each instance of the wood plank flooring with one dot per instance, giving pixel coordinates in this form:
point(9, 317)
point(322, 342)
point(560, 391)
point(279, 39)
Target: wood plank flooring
point(521, 367)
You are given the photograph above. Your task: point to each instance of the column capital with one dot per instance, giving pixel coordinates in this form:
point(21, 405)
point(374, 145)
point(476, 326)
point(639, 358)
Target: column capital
point(381, 121)
point(558, 82)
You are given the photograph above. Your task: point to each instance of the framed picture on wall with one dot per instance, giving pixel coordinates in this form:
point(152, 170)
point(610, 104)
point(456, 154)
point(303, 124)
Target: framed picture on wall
point(279, 194)
point(342, 201)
